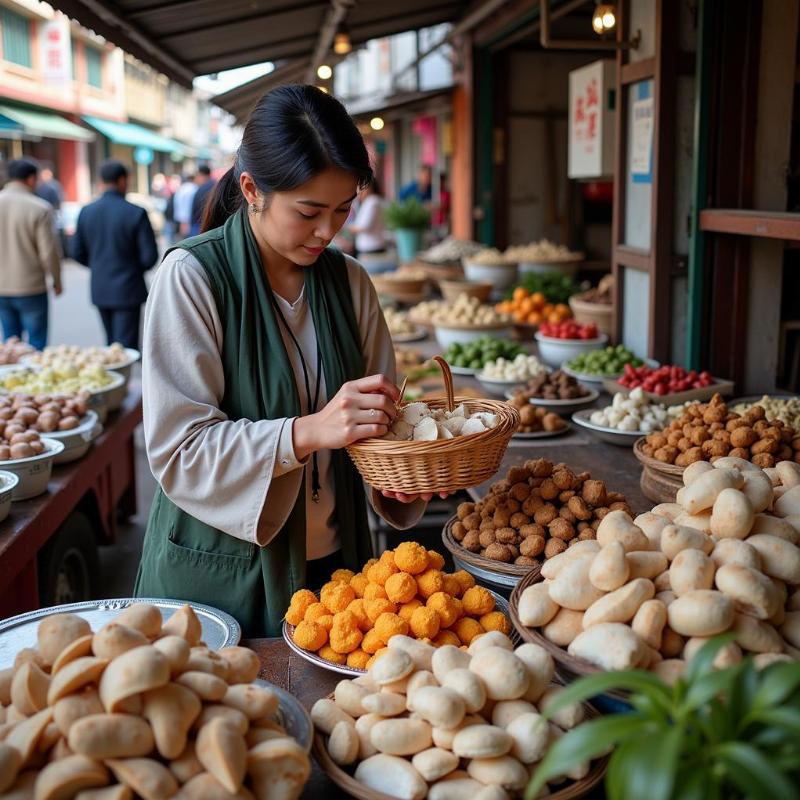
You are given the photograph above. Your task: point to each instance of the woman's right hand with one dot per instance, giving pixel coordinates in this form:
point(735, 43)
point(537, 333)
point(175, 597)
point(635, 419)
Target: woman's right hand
point(361, 409)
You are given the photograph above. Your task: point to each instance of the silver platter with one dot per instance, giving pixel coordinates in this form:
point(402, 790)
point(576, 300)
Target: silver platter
point(501, 604)
point(488, 578)
point(293, 716)
point(219, 629)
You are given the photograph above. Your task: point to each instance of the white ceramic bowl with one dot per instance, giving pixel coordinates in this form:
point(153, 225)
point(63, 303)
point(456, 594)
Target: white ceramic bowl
point(110, 397)
point(555, 352)
point(77, 441)
point(563, 407)
point(125, 368)
point(499, 388)
point(568, 268)
point(605, 434)
point(8, 482)
point(34, 472)
point(447, 335)
point(501, 276)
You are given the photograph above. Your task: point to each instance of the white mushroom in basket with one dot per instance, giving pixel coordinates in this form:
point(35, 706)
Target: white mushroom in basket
point(417, 422)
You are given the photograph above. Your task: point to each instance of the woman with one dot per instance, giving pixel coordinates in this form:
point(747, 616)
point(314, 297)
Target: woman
point(265, 354)
point(368, 225)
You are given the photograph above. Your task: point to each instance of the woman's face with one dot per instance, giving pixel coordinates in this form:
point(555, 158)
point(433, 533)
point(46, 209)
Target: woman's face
point(301, 223)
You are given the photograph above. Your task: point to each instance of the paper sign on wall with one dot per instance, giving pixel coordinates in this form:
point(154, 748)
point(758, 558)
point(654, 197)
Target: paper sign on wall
point(641, 147)
point(591, 121)
point(56, 50)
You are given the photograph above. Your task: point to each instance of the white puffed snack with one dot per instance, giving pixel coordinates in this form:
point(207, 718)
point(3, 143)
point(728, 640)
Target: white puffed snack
point(618, 526)
point(386, 704)
point(447, 658)
point(490, 639)
point(469, 686)
point(531, 737)
point(434, 763)
point(564, 627)
point(392, 775)
point(536, 607)
point(420, 652)
point(779, 558)
point(675, 538)
point(505, 711)
point(732, 515)
point(704, 612)
point(482, 741)
point(504, 771)
point(571, 587)
point(646, 563)
point(348, 696)
point(755, 635)
point(728, 655)
point(364, 726)
point(343, 744)
point(392, 666)
point(609, 645)
point(609, 569)
point(690, 570)
point(566, 717)
point(620, 605)
point(751, 591)
point(735, 551)
point(540, 666)
point(455, 788)
point(325, 714)
point(703, 491)
point(442, 707)
point(401, 737)
point(504, 675)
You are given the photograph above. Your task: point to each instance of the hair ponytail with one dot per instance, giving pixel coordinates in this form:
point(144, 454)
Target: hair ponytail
point(293, 134)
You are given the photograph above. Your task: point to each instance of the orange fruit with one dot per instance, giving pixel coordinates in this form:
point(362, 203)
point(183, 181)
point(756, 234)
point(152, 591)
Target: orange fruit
point(526, 306)
point(539, 299)
point(535, 318)
point(562, 308)
point(554, 316)
point(520, 293)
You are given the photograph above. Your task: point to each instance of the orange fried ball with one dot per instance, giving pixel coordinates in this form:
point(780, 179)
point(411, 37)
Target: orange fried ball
point(435, 560)
point(310, 635)
point(425, 623)
point(465, 579)
point(388, 625)
point(357, 659)
point(371, 642)
point(336, 596)
point(448, 608)
point(430, 582)
point(401, 587)
point(357, 607)
point(411, 557)
point(298, 606)
point(375, 608)
point(369, 564)
point(407, 609)
point(452, 586)
point(374, 591)
point(329, 654)
point(467, 629)
point(446, 637)
point(315, 611)
point(379, 573)
point(359, 583)
point(496, 621)
point(345, 635)
point(477, 601)
point(342, 575)
point(326, 622)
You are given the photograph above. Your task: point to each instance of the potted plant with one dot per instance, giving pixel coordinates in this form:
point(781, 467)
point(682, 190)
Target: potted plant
point(408, 219)
point(713, 735)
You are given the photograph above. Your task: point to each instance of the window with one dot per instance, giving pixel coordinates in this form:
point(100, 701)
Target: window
point(16, 37)
point(94, 67)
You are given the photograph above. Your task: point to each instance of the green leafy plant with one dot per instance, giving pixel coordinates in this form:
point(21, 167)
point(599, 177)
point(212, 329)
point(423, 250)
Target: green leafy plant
point(555, 286)
point(713, 735)
point(407, 214)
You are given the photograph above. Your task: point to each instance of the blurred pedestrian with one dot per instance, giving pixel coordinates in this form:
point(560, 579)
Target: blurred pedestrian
point(182, 209)
point(51, 190)
point(115, 240)
point(441, 213)
point(421, 188)
point(205, 187)
point(368, 226)
point(31, 254)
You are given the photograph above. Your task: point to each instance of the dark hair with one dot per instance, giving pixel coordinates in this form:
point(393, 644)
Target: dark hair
point(293, 134)
point(204, 169)
point(374, 185)
point(20, 169)
point(111, 171)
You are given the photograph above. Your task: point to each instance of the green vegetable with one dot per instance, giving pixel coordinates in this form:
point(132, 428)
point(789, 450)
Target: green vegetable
point(609, 361)
point(555, 286)
point(474, 355)
point(407, 214)
point(713, 735)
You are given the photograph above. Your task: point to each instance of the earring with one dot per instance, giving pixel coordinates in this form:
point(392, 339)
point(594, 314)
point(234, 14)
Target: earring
point(252, 208)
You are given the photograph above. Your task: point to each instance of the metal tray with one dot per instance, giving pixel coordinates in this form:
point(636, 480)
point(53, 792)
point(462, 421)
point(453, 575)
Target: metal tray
point(501, 604)
point(293, 716)
point(219, 629)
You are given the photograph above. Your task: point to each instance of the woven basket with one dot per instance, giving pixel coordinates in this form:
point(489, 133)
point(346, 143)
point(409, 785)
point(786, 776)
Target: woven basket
point(354, 788)
point(568, 667)
point(445, 465)
point(452, 290)
point(515, 571)
point(601, 314)
point(660, 482)
point(403, 289)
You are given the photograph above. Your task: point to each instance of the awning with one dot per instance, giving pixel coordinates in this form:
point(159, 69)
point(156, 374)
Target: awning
point(126, 133)
point(42, 124)
point(402, 102)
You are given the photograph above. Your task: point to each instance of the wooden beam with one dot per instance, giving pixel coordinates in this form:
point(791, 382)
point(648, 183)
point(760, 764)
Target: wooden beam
point(637, 71)
point(633, 257)
point(746, 222)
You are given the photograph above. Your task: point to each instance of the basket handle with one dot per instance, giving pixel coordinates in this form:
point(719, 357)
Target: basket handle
point(448, 381)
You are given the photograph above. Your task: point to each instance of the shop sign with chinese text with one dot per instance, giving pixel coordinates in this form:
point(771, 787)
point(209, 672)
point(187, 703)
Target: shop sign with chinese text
point(591, 120)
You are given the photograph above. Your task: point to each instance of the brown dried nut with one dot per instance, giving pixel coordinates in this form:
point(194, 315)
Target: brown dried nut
point(601, 512)
point(656, 440)
point(566, 514)
point(206, 686)
point(22, 450)
point(221, 749)
point(101, 736)
point(505, 536)
point(458, 531)
point(549, 490)
point(764, 460)
point(518, 475)
point(201, 659)
point(501, 518)
point(138, 670)
point(253, 701)
point(472, 542)
point(684, 443)
point(546, 514)
point(498, 552)
point(114, 639)
point(75, 676)
point(471, 521)
point(666, 455)
point(171, 711)
point(589, 533)
point(564, 478)
point(66, 777)
point(527, 561)
point(47, 421)
point(698, 436)
point(143, 617)
point(184, 623)
point(533, 530)
point(540, 467)
point(554, 547)
point(766, 445)
point(232, 716)
point(148, 778)
point(593, 492)
point(713, 448)
point(464, 510)
point(487, 537)
point(278, 768)
point(73, 707)
point(29, 689)
point(743, 437)
point(514, 550)
point(561, 529)
point(5, 452)
point(511, 505)
point(693, 454)
point(532, 504)
point(579, 508)
point(519, 519)
point(532, 546)
point(673, 437)
point(37, 447)
point(68, 423)
point(243, 664)
point(520, 491)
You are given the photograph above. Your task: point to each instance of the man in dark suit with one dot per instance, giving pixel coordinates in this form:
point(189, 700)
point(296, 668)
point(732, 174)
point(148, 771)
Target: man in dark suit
point(115, 240)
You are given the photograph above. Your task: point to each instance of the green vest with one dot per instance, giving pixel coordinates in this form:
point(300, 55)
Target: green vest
point(186, 559)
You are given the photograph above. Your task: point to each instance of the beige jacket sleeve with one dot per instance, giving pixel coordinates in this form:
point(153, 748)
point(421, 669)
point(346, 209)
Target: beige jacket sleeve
point(48, 248)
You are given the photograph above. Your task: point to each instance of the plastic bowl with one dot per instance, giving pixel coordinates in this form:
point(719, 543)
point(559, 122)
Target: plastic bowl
point(448, 335)
point(501, 276)
point(33, 472)
point(555, 352)
point(8, 482)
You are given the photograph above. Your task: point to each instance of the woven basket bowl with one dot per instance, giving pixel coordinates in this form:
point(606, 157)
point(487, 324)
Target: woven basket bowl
point(452, 290)
point(476, 560)
point(354, 788)
point(568, 668)
point(445, 465)
point(404, 289)
point(601, 314)
point(659, 482)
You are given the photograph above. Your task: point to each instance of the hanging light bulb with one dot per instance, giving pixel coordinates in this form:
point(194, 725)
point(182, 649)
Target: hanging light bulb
point(376, 123)
point(323, 89)
point(324, 72)
point(341, 42)
point(604, 18)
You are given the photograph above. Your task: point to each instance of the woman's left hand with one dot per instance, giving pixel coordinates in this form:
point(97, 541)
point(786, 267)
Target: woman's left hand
point(410, 498)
